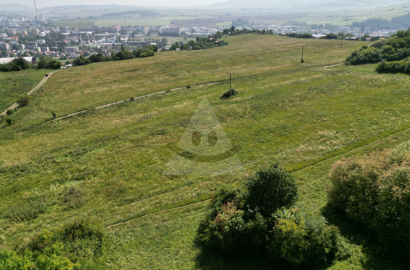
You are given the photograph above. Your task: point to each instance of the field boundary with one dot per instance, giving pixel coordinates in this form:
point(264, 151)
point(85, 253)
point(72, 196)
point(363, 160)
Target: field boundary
point(15, 105)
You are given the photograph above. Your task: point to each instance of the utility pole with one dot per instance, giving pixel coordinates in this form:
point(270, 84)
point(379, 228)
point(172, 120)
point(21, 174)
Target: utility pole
point(230, 82)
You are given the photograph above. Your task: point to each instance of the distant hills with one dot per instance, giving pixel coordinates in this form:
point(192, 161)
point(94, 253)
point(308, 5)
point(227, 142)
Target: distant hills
point(400, 22)
point(298, 5)
point(16, 9)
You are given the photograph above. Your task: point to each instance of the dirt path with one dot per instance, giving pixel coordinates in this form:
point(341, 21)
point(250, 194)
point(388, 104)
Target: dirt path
point(161, 93)
point(15, 105)
point(333, 65)
point(136, 98)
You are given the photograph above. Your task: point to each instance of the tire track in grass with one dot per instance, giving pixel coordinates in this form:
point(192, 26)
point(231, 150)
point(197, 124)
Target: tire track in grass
point(15, 105)
point(291, 171)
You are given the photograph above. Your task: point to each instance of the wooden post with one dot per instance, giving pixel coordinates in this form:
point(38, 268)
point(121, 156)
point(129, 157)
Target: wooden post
point(230, 82)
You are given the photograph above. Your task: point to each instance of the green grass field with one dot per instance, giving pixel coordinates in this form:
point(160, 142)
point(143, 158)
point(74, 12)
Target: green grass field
point(305, 116)
point(14, 84)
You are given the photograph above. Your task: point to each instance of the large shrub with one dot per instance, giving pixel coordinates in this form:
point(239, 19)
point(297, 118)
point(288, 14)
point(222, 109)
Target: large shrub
point(81, 61)
point(302, 239)
point(73, 247)
point(392, 216)
point(394, 67)
point(257, 219)
point(270, 189)
point(375, 191)
point(364, 56)
point(23, 100)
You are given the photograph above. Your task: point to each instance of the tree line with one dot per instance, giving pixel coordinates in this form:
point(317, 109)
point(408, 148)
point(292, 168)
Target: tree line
point(20, 63)
point(124, 54)
point(392, 54)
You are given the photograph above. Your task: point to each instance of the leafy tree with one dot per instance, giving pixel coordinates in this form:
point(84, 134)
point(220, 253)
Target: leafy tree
point(44, 62)
point(270, 189)
point(54, 64)
point(21, 62)
point(331, 36)
point(254, 220)
point(374, 190)
point(123, 55)
point(81, 61)
point(175, 46)
point(301, 238)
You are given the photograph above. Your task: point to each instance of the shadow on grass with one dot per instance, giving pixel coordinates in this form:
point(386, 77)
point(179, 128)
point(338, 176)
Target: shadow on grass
point(249, 260)
point(377, 257)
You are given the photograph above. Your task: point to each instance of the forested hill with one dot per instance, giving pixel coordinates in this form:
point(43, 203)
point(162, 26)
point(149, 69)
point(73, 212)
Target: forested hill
point(400, 22)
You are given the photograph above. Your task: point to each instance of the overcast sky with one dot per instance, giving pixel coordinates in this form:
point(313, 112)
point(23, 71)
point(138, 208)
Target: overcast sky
point(144, 3)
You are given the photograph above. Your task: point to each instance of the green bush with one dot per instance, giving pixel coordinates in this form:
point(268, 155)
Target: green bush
point(270, 189)
point(229, 93)
point(302, 239)
point(365, 56)
point(81, 61)
point(10, 260)
point(375, 191)
point(84, 238)
point(123, 55)
point(76, 246)
point(355, 185)
point(392, 218)
point(54, 64)
point(23, 100)
point(48, 62)
point(394, 67)
point(239, 221)
point(145, 52)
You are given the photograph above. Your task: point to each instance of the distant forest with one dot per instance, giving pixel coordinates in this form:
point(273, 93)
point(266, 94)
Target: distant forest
point(400, 22)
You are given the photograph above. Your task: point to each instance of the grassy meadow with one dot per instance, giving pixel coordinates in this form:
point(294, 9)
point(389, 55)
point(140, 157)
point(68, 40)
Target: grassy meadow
point(101, 83)
point(305, 116)
point(16, 83)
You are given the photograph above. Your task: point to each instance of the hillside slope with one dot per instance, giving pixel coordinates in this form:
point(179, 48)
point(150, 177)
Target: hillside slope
point(305, 116)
